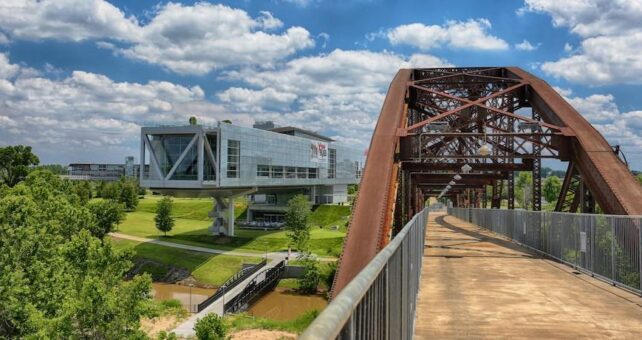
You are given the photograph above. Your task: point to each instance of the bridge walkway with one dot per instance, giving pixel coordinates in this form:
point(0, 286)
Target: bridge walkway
point(475, 284)
point(186, 328)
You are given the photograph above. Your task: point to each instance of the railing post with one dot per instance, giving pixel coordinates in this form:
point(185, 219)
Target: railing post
point(640, 252)
point(613, 252)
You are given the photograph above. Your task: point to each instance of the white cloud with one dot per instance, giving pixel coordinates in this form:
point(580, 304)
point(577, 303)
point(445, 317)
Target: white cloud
point(609, 52)
point(185, 39)
point(339, 93)
point(471, 34)
point(73, 20)
point(623, 128)
point(89, 117)
point(568, 48)
point(525, 45)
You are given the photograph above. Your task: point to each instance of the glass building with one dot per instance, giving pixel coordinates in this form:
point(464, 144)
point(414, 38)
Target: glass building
point(270, 166)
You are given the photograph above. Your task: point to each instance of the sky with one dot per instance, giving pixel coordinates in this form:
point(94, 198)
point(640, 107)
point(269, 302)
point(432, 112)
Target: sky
point(78, 78)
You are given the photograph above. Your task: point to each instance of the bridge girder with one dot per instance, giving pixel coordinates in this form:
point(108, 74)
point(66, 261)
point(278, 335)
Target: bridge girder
point(437, 120)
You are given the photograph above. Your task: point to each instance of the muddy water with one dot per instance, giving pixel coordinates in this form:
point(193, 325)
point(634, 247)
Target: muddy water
point(283, 305)
point(166, 291)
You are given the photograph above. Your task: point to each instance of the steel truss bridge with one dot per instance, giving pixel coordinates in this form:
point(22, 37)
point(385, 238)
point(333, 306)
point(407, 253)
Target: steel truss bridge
point(462, 132)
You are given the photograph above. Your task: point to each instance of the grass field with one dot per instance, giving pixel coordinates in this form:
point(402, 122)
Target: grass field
point(209, 269)
point(192, 223)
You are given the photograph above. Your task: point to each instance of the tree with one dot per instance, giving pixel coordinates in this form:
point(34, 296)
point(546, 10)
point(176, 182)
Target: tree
point(164, 220)
point(110, 191)
point(63, 283)
point(309, 282)
point(551, 188)
point(211, 327)
point(128, 194)
point(83, 190)
point(296, 222)
point(108, 214)
point(15, 163)
point(523, 186)
point(639, 177)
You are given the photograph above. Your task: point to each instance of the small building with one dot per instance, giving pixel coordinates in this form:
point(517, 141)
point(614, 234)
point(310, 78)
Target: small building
point(270, 166)
point(102, 171)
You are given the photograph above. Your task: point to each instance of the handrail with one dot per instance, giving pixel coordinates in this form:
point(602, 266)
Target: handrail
point(330, 323)
point(232, 282)
point(254, 288)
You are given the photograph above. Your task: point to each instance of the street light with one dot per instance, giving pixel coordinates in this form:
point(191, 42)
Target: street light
point(484, 150)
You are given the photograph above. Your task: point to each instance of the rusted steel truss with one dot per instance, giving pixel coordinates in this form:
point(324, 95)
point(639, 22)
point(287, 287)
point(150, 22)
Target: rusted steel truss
point(495, 120)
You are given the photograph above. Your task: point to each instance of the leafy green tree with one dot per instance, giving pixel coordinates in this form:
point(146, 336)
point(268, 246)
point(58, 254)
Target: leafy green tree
point(309, 282)
point(296, 222)
point(523, 188)
point(15, 163)
point(108, 214)
point(639, 177)
point(110, 191)
point(57, 280)
point(83, 190)
point(551, 188)
point(211, 327)
point(56, 169)
point(128, 195)
point(164, 220)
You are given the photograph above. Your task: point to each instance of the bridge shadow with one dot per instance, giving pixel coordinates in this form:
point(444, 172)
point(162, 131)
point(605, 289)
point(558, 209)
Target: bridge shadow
point(474, 244)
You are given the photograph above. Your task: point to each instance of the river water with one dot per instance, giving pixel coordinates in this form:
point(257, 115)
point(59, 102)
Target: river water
point(276, 305)
point(285, 305)
point(167, 291)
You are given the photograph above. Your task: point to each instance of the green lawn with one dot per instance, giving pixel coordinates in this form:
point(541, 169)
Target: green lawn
point(210, 269)
point(192, 223)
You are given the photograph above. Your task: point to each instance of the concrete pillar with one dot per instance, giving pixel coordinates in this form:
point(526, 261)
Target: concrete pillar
point(230, 219)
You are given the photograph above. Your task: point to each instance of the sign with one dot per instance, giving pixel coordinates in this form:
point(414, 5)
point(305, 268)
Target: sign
point(319, 152)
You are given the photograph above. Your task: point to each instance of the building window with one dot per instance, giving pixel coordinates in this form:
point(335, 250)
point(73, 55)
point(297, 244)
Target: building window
point(262, 170)
point(313, 173)
point(302, 172)
point(290, 172)
point(332, 163)
point(357, 169)
point(233, 158)
point(277, 172)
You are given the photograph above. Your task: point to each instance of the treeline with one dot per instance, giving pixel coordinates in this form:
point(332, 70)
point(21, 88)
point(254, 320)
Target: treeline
point(60, 276)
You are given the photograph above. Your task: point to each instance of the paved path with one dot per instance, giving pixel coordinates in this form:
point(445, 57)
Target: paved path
point(272, 255)
point(477, 285)
point(186, 328)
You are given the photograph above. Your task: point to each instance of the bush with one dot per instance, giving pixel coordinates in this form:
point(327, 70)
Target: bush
point(210, 327)
point(311, 276)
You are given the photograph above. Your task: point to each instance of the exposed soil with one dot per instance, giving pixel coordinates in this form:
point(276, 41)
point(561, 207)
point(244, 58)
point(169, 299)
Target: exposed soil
point(162, 323)
point(262, 334)
point(174, 274)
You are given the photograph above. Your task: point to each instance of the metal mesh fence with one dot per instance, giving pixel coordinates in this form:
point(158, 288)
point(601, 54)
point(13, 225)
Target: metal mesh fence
point(380, 302)
point(605, 246)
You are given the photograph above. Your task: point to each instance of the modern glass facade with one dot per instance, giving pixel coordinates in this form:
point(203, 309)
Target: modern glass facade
point(231, 156)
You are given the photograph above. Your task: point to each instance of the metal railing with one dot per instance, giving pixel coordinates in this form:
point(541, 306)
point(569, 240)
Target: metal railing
point(380, 302)
point(608, 247)
point(231, 282)
point(264, 281)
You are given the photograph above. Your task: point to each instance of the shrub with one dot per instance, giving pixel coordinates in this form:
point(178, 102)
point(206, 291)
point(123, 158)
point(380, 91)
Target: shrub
point(211, 327)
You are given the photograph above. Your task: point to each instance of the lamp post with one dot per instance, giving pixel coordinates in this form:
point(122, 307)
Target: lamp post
point(190, 298)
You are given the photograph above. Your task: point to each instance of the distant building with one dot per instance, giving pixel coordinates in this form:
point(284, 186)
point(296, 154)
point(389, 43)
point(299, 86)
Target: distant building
point(270, 166)
point(103, 171)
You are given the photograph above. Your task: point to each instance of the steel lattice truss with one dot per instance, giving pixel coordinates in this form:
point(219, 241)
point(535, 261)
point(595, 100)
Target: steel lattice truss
point(499, 121)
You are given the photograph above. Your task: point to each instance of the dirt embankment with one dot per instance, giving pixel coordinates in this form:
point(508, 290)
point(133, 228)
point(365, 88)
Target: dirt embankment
point(262, 334)
point(164, 273)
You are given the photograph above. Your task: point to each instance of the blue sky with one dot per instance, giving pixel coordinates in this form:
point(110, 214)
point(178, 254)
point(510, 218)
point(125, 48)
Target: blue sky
point(79, 78)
